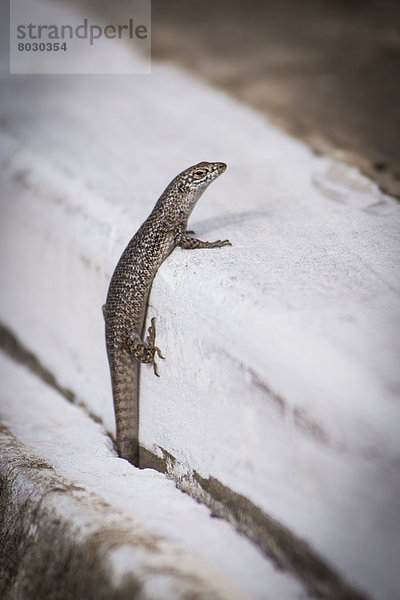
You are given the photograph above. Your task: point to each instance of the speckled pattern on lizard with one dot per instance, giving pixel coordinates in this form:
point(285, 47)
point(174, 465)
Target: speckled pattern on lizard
point(126, 304)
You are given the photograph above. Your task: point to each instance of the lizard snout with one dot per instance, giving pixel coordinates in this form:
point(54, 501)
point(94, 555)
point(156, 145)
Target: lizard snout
point(220, 167)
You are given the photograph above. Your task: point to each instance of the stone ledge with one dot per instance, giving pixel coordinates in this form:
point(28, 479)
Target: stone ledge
point(277, 543)
point(60, 541)
point(80, 451)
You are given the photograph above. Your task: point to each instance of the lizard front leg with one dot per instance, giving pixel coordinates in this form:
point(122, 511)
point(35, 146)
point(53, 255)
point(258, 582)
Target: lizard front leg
point(145, 351)
point(189, 243)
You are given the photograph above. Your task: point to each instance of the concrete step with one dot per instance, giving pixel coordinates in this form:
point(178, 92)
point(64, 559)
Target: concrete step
point(80, 522)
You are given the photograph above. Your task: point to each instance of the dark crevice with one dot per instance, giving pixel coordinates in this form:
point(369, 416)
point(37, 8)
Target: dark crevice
point(273, 539)
point(12, 346)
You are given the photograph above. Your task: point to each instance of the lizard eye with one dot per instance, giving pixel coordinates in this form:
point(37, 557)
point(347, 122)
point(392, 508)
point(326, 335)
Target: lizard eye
point(199, 174)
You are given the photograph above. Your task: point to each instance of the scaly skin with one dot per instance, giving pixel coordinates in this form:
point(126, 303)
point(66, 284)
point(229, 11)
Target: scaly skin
point(126, 305)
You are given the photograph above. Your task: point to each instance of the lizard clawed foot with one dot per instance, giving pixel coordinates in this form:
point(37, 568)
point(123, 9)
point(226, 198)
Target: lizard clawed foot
point(155, 369)
point(145, 351)
point(150, 340)
point(219, 243)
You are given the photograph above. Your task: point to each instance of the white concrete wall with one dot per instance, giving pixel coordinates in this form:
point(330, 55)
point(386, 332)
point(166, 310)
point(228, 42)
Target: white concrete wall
point(281, 374)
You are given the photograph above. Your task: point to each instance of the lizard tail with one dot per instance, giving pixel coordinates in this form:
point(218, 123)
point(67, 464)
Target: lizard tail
point(125, 385)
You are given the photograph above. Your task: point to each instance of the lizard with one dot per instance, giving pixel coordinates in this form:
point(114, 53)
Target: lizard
point(127, 298)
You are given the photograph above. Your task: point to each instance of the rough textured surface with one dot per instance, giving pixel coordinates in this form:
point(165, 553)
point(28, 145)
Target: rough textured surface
point(60, 541)
point(80, 451)
point(272, 538)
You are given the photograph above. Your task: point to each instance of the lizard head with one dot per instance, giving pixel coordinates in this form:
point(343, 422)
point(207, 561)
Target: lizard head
point(193, 181)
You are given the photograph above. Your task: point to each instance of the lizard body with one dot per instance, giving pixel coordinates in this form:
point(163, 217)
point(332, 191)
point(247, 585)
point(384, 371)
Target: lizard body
point(126, 304)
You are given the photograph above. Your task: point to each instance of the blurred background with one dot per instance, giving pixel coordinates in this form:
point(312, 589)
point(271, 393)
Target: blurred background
point(328, 71)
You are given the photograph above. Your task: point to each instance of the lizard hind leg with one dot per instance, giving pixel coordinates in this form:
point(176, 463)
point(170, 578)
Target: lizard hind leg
point(145, 351)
